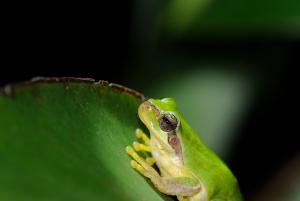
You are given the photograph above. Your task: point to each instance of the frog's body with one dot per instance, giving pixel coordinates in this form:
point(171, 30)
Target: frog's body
point(188, 169)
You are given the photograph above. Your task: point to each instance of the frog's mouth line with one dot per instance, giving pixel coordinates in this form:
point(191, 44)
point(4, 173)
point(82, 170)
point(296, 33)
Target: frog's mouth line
point(149, 114)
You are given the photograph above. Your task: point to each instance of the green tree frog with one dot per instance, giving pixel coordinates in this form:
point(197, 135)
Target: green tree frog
point(187, 168)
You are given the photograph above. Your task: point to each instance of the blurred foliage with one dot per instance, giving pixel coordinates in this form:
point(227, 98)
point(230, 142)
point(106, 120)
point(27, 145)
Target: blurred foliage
point(294, 194)
point(198, 16)
point(66, 141)
point(181, 15)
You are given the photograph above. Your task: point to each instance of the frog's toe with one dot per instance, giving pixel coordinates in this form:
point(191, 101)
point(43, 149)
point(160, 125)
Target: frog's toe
point(141, 147)
point(133, 154)
point(130, 151)
point(138, 167)
point(150, 161)
point(141, 135)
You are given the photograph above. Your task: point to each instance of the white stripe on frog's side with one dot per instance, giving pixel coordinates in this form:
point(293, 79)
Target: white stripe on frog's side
point(166, 159)
point(171, 166)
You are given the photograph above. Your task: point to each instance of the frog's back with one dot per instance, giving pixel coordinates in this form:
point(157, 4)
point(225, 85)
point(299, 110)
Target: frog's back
point(220, 184)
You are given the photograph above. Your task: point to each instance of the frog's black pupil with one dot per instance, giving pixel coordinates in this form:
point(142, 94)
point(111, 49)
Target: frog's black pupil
point(168, 122)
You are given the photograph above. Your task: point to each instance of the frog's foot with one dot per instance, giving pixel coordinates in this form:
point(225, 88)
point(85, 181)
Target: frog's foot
point(143, 145)
point(164, 185)
point(143, 166)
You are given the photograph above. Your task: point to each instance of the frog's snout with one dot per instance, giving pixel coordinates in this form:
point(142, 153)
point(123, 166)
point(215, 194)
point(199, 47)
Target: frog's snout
point(147, 107)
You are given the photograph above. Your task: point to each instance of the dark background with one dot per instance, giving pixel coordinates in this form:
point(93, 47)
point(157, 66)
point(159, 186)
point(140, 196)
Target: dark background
point(104, 42)
point(67, 40)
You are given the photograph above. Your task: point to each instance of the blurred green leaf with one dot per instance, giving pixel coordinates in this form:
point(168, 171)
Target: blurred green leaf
point(180, 15)
point(66, 141)
point(294, 194)
point(201, 16)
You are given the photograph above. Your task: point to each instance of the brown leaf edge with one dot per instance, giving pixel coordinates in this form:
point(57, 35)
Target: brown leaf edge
point(8, 90)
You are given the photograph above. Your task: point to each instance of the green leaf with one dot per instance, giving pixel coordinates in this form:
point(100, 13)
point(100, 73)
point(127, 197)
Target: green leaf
point(65, 139)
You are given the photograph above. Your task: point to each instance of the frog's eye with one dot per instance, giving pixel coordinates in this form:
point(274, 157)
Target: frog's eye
point(167, 122)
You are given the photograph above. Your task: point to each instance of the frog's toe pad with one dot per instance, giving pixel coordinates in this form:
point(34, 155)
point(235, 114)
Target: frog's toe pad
point(130, 151)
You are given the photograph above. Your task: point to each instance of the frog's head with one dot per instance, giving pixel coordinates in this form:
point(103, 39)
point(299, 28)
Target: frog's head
point(162, 120)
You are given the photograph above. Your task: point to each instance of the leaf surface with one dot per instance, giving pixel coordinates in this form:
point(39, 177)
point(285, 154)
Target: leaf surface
point(65, 139)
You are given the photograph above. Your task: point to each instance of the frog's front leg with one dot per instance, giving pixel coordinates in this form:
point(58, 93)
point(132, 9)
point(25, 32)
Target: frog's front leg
point(164, 185)
point(143, 147)
point(144, 167)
